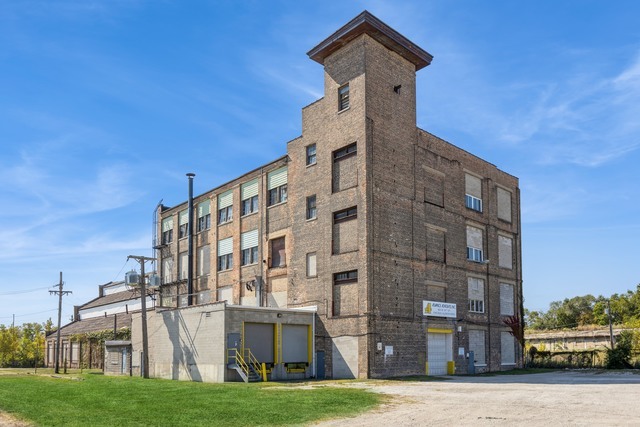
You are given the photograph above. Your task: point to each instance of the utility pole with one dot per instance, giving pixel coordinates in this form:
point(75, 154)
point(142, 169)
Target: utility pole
point(610, 324)
point(143, 300)
point(60, 293)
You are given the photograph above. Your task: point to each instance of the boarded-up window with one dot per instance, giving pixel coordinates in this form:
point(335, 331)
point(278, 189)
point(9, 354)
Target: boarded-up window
point(183, 265)
point(345, 168)
point(473, 186)
point(204, 260)
point(436, 293)
point(506, 299)
point(434, 188)
point(507, 349)
point(504, 204)
point(345, 230)
point(436, 244)
point(345, 293)
point(278, 252)
point(226, 294)
point(167, 270)
point(311, 265)
point(505, 252)
point(476, 344)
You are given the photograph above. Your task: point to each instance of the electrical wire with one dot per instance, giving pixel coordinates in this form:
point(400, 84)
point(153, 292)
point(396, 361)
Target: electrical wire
point(25, 291)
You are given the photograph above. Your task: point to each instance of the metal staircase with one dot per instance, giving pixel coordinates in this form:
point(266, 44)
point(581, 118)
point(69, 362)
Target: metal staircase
point(246, 365)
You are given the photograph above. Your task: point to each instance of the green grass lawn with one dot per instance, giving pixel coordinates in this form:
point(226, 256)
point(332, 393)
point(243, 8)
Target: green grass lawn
point(95, 400)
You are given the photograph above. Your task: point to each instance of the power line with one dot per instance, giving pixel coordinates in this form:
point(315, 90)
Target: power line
point(28, 314)
point(25, 291)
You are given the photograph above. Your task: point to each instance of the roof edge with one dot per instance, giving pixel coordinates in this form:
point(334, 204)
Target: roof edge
point(366, 23)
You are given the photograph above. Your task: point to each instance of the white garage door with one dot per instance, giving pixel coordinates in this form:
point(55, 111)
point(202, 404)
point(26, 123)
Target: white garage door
point(438, 353)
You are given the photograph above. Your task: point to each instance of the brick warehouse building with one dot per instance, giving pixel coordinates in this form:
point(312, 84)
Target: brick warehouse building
point(407, 246)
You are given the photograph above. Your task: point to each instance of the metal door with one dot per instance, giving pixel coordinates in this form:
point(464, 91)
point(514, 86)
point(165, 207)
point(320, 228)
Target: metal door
point(320, 365)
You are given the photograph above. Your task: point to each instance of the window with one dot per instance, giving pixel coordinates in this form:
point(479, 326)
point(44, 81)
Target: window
point(345, 293)
point(343, 97)
point(278, 256)
point(249, 196)
point(473, 203)
point(345, 215)
point(277, 186)
point(167, 230)
point(250, 205)
point(311, 265)
point(183, 224)
point(506, 299)
point(344, 171)
point(167, 270)
point(346, 276)
point(505, 252)
point(311, 207)
point(204, 215)
point(351, 149)
point(225, 207)
point(476, 344)
point(203, 260)
point(476, 294)
point(474, 244)
point(311, 154)
point(473, 190)
point(474, 254)
point(225, 254)
point(504, 204)
point(507, 349)
point(249, 247)
point(183, 265)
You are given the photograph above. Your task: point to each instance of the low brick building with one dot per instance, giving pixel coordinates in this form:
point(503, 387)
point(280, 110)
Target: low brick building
point(407, 246)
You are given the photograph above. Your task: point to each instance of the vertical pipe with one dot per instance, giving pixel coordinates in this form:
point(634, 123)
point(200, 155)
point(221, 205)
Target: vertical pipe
point(190, 243)
point(145, 337)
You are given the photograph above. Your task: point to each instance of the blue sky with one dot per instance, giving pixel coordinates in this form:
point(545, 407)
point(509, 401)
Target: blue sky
point(106, 105)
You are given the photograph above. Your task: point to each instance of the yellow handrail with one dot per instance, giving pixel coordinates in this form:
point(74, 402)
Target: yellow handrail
point(247, 362)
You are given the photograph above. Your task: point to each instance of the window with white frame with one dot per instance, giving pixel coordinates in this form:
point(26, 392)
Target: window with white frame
point(311, 265)
point(311, 207)
point(476, 294)
point(183, 224)
point(249, 197)
point(277, 186)
point(249, 247)
point(476, 344)
point(507, 348)
point(204, 215)
point(225, 207)
point(506, 299)
point(343, 97)
point(167, 230)
point(311, 154)
point(473, 190)
point(225, 254)
point(474, 244)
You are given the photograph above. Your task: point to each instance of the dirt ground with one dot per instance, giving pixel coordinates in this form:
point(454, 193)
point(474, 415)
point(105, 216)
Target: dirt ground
point(570, 398)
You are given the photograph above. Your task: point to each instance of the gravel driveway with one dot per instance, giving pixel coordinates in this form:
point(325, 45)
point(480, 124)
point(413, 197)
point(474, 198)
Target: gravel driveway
point(571, 398)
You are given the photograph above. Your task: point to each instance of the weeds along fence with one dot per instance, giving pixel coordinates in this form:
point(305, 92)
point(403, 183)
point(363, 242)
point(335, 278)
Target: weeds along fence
point(576, 359)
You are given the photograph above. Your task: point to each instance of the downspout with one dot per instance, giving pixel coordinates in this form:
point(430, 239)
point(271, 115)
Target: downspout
point(190, 243)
